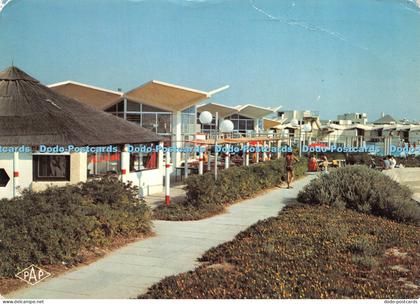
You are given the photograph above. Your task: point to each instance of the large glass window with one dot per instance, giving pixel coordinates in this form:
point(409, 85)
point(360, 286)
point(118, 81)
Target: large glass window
point(149, 117)
point(163, 123)
point(51, 167)
point(241, 123)
point(133, 106)
point(136, 118)
point(104, 163)
point(188, 121)
point(146, 160)
point(149, 121)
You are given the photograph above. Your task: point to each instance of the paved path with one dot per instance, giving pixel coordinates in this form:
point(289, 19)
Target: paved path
point(130, 270)
point(409, 177)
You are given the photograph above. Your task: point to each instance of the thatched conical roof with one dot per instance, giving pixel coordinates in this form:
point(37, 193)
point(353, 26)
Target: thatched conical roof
point(32, 114)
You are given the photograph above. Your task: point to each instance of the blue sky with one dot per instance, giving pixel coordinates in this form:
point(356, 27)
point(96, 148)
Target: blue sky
point(333, 56)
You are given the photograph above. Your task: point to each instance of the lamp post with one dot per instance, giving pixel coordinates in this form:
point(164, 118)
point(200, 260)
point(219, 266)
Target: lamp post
point(225, 127)
point(205, 118)
point(295, 123)
point(306, 129)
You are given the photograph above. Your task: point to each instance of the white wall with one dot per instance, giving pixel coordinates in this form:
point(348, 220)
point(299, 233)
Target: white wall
point(78, 173)
point(148, 181)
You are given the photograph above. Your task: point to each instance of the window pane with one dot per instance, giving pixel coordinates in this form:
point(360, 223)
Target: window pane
point(121, 106)
point(250, 124)
point(164, 123)
point(242, 124)
point(144, 160)
point(51, 167)
point(136, 118)
point(149, 121)
point(133, 106)
point(103, 163)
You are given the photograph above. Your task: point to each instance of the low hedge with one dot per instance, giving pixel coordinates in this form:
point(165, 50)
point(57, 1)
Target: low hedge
point(364, 190)
point(410, 161)
point(57, 225)
point(206, 197)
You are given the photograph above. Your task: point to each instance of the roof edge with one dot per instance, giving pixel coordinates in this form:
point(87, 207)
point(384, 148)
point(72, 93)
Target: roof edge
point(53, 85)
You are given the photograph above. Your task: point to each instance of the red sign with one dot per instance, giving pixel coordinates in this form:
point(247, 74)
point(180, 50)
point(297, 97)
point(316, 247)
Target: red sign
point(104, 158)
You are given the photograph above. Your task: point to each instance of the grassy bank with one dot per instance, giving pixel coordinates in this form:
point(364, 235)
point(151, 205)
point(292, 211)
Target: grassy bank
point(308, 251)
point(206, 198)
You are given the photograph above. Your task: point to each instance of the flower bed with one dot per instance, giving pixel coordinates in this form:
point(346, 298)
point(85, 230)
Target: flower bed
point(306, 252)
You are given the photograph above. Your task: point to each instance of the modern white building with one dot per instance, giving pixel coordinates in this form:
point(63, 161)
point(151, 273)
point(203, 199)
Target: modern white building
point(166, 109)
point(354, 118)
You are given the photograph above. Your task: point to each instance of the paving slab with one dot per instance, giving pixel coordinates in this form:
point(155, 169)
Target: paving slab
point(129, 271)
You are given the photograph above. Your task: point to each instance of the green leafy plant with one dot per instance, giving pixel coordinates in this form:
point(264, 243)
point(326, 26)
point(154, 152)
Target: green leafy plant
point(57, 225)
point(207, 197)
point(364, 190)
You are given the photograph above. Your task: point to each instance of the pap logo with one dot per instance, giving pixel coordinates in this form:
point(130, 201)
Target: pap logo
point(33, 275)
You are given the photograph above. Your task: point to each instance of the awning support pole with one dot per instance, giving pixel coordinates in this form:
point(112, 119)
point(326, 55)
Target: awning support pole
point(167, 179)
point(227, 157)
point(200, 160)
point(15, 173)
point(215, 145)
point(264, 155)
point(186, 155)
point(257, 155)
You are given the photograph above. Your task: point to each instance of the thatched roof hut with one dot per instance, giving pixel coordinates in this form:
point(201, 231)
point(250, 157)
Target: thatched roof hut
point(32, 114)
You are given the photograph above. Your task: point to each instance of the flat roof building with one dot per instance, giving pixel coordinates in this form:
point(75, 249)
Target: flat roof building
point(246, 118)
point(166, 109)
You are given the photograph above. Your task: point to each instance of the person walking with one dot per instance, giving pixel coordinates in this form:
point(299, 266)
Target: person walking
point(325, 163)
point(290, 161)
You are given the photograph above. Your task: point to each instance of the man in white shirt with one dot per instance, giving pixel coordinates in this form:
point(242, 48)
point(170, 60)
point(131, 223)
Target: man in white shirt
point(392, 162)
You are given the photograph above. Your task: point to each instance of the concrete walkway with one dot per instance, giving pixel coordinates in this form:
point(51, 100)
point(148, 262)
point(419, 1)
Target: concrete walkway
point(129, 271)
point(409, 177)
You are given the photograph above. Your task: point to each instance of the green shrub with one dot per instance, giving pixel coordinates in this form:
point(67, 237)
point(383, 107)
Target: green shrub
point(55, 226)
point(364, 190)
point(109, 190)
point(206, 197)
point(410, 161)
point(237, 182)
